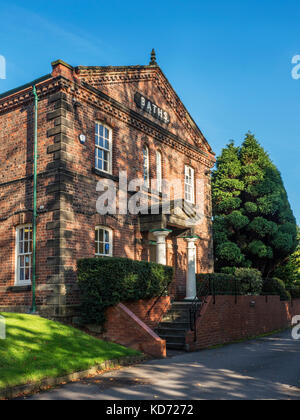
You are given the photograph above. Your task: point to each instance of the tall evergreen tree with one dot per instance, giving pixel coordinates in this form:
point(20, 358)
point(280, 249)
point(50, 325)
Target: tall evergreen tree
point(226, 196)
point(253, 223)
point(289, 270)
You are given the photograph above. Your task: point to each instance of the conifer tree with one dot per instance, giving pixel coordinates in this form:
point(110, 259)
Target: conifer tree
point(289, 270)
point(253, 223)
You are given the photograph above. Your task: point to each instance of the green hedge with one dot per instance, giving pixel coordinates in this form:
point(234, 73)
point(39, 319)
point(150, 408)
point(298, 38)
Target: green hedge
point(217, 283)
point(245, 281)
point(250, 280)
point(105, 282)
point(276, 286)
point(294, 291)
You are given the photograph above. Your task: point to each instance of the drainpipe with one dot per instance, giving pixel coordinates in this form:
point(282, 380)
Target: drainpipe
point(36, 99)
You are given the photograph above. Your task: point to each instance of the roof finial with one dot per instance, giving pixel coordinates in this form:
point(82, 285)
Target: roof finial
point(153, 58)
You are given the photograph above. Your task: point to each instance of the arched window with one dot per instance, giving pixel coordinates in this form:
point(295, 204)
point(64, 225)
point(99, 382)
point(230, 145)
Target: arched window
point(103, 148)
point(146, 166)
point(159, 171)
point(103, 242)
point(23, 255)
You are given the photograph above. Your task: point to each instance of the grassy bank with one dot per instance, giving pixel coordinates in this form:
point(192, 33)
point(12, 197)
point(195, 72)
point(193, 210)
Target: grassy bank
point(36, 348)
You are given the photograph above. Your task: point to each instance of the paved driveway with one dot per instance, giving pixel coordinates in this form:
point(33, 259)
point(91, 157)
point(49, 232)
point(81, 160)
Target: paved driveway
point(266, 368)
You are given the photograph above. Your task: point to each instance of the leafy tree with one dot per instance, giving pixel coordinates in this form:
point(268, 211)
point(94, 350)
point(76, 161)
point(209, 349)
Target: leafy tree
point(289, 270)
point(226, 192)
point(253, 222)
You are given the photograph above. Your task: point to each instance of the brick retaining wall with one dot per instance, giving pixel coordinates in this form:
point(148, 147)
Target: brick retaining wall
point(124, 327)
point(150, 311)
point(227, 320)
point(131, 324)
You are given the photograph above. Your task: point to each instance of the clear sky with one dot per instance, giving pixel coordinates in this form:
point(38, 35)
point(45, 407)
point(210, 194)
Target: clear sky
point(229, 61)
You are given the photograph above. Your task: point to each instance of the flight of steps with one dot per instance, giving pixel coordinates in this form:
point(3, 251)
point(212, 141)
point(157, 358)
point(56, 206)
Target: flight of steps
point(174, 325)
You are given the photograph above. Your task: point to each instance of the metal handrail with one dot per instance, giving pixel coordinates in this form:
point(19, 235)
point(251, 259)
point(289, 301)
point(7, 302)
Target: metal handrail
point(163, 293)
point(198, 303)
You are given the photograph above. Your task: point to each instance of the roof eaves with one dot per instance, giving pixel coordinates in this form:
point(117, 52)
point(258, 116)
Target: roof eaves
point(23, 87)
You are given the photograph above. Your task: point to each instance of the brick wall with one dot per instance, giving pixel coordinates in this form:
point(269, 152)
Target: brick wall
point(16, 192)
point(123, 326)
point(132, 323)
point(150, 311)
point(227, 321)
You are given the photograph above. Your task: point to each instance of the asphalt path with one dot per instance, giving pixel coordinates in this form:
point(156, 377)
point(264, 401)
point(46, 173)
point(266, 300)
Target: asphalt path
point(265, 368)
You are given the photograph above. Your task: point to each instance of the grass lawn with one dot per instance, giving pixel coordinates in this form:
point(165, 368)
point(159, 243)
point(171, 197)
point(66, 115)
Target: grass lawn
point(36, 348)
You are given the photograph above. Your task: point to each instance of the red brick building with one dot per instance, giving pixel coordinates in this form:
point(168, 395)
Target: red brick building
point(94, 122)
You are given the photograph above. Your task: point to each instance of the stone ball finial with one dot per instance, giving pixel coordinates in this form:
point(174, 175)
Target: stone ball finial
point(153, 58)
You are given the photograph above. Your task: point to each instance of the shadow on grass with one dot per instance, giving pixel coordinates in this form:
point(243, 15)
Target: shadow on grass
point(36, 348)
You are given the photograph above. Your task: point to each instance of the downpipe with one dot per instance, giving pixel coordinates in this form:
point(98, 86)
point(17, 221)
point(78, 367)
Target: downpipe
point(34, 222)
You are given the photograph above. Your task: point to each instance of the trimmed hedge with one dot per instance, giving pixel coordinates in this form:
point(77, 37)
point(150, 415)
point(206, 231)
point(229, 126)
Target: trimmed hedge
point(245, 281)
point(294, 291)
point(250, 279)
point(276, 287)
point(105, 282)
point(217, 283)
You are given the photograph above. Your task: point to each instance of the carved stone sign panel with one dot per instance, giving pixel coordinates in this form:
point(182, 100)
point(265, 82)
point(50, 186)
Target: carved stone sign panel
point(148, 106)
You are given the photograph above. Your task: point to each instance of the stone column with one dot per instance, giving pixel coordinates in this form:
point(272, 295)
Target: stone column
point(161, 249)
point(191, 289)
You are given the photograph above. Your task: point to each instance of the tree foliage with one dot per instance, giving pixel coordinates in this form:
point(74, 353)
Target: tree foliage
point(289, 270)
point(254, 225)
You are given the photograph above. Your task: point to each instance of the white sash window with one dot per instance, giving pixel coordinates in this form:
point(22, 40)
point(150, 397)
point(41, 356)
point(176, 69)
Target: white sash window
point(189, 185)
point(24, 255)
point(103, 148)
point(103, 242)
point(159, 171)
point(146, 166)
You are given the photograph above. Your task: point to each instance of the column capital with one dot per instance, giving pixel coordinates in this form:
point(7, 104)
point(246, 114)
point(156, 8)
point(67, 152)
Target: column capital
point(192, 238)
point(161, 232)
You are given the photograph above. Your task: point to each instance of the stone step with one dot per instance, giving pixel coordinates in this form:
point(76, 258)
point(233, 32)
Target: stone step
point(173, 338)
point(171, 317)
point(186, 305)
point(176, 325)
point(167, 331)
point(182, 304)
point(176, 346)
point(180, 310)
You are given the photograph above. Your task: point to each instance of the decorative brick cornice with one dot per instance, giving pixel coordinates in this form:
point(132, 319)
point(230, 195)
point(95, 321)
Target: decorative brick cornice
point(117, 110)
point(124, 75)
point(23, 96)
point(103, 102)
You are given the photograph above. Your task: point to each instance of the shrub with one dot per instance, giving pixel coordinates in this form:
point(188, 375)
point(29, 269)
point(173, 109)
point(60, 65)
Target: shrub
point(218, 283)
point(276, 287)
point(230, 252)
point(294, 292)
point(250, 280)
point(105, 282)
point(241, 281)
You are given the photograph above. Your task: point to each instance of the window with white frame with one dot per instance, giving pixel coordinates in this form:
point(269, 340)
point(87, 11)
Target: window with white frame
point(159, 171)
point(24, 255)
point(189, 185)
point(146, 166)
point(103, 242)
point(103, 148)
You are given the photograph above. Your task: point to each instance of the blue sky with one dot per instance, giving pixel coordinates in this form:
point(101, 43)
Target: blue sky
point(229, 61)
